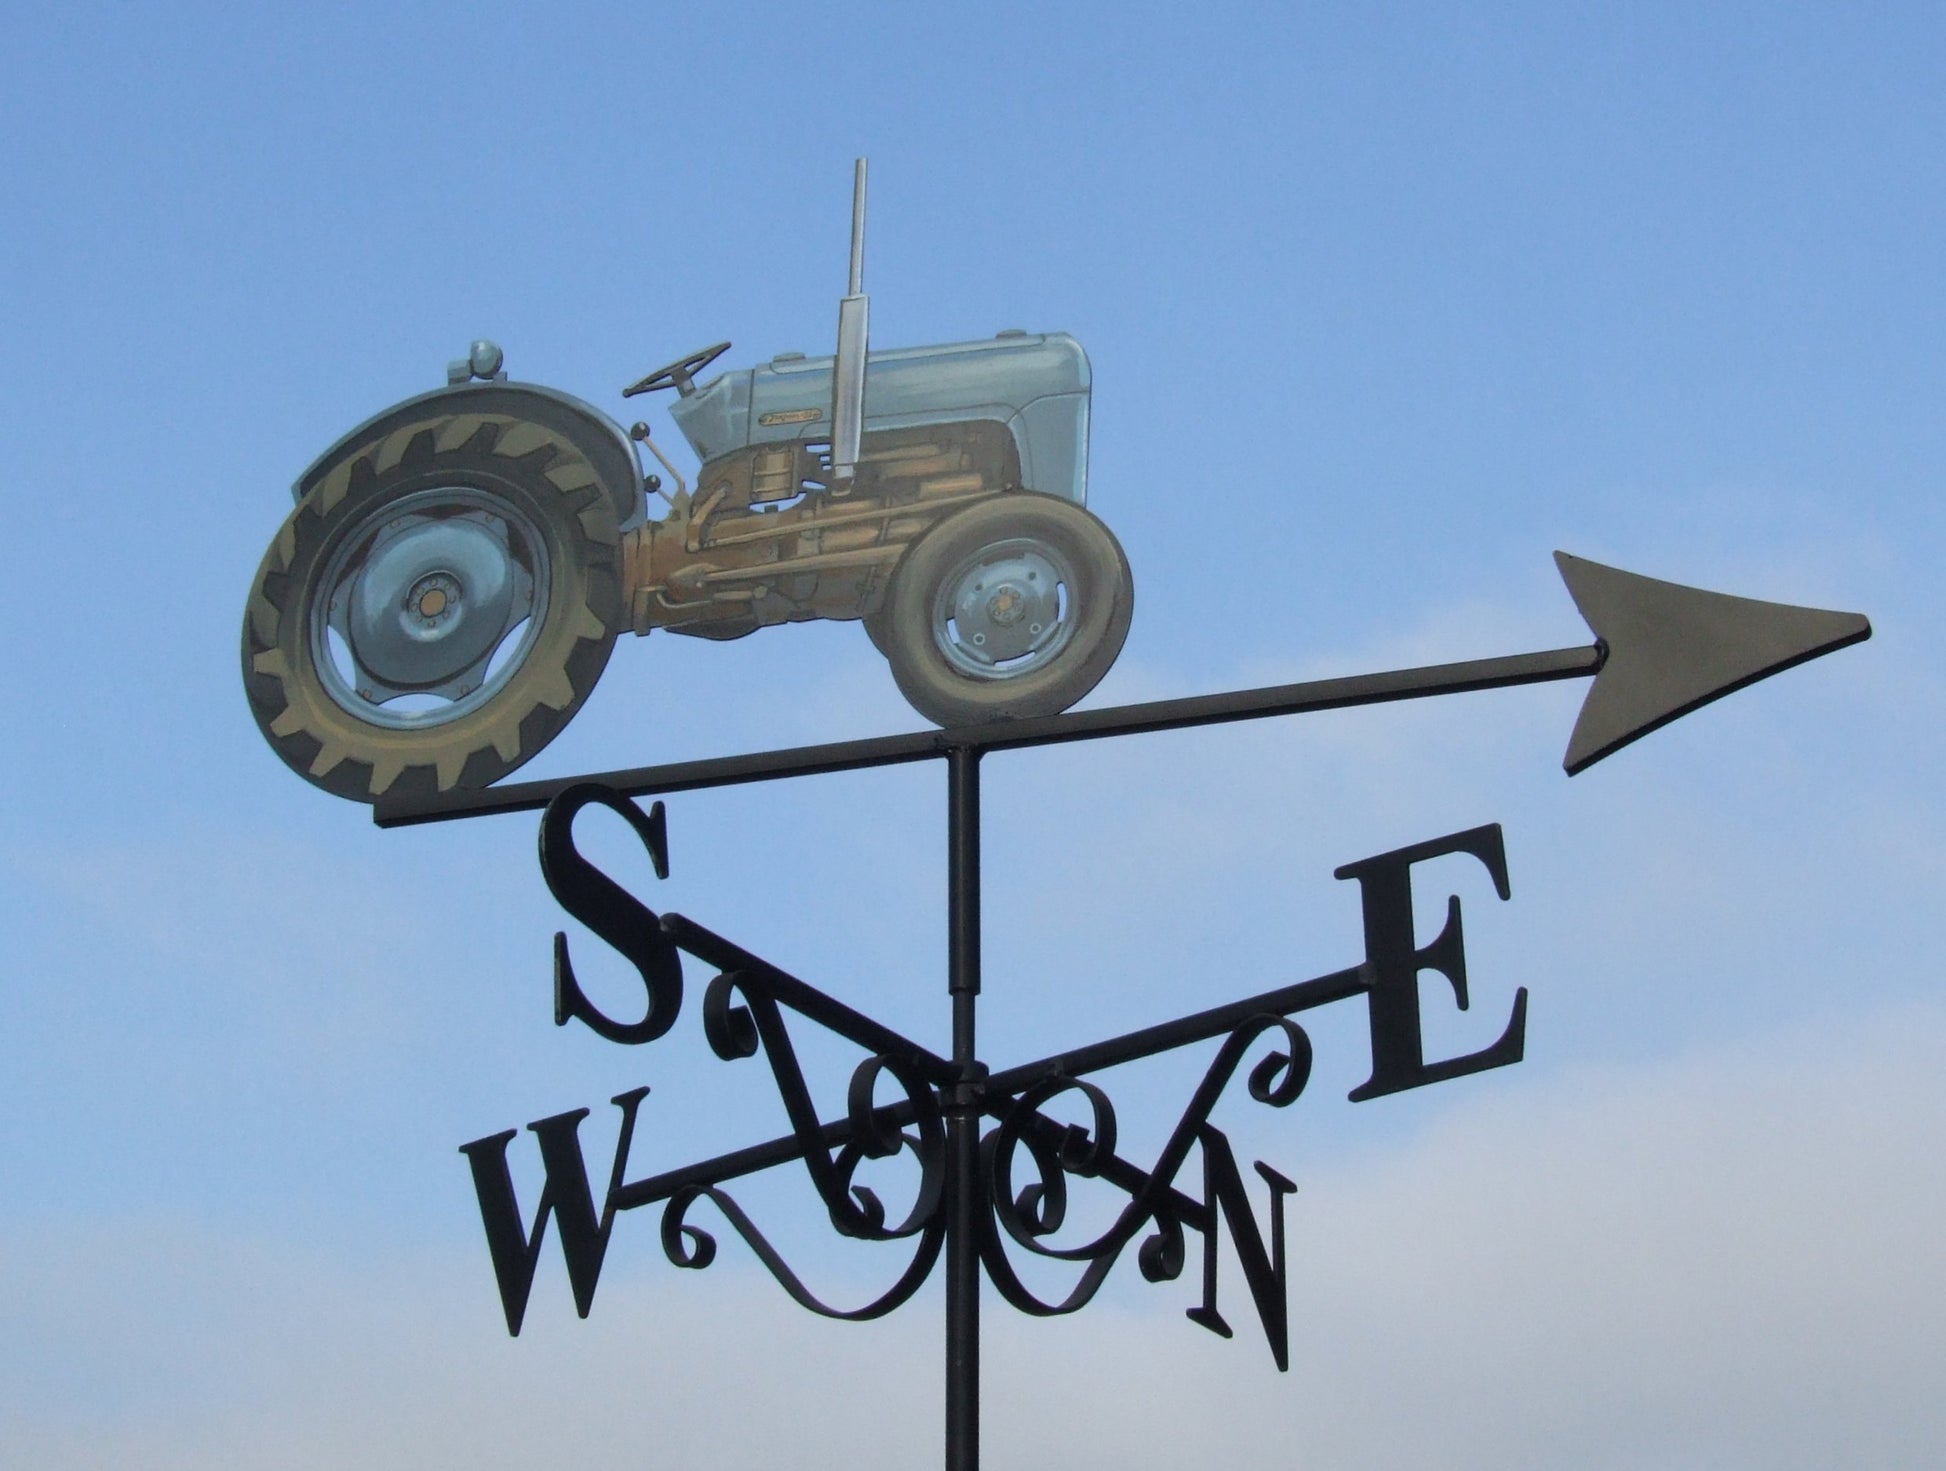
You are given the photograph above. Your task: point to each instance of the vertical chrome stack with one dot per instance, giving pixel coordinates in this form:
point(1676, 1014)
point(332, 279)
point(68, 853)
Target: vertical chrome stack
point(854, 323)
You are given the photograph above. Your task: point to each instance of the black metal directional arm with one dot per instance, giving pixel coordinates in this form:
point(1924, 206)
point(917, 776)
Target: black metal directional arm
point(968, 1202)
point(1003, 1087)
point(827, 1011)
point(1339, 985)
point(1079, 725)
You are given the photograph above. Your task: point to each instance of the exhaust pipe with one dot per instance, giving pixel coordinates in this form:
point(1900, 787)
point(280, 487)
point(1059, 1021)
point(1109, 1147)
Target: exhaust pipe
point(854, 323)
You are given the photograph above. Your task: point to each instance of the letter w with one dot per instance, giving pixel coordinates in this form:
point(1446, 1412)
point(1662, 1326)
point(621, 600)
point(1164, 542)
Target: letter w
point(584, 1237)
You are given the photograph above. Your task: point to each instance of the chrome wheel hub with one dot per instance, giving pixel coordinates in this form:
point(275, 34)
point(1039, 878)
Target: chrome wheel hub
point(430, 604)
point(1006, 610)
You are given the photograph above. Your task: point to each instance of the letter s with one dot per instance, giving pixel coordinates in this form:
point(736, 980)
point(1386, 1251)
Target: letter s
point(613, 913)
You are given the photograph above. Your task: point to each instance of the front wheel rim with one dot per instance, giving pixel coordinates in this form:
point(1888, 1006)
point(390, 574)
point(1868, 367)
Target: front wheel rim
point(1006, 611)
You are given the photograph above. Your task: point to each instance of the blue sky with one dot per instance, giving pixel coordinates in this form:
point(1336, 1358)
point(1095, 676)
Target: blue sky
point(1384, 305)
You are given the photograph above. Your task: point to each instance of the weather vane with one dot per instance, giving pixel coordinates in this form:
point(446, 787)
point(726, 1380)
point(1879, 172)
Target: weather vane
point(449, 587)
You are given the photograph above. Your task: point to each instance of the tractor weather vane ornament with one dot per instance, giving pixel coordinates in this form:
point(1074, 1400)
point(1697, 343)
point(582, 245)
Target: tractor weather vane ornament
point(456, 571)
point(446, 593)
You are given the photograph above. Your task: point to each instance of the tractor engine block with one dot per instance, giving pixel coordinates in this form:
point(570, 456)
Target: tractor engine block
point(767, 539)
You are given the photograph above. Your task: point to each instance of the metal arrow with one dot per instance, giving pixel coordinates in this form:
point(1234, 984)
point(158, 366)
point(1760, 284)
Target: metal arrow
point(1672, 649)
point(1661, 651)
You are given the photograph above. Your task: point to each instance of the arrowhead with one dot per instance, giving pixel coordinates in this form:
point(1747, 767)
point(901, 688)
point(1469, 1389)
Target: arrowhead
point(1672, 649)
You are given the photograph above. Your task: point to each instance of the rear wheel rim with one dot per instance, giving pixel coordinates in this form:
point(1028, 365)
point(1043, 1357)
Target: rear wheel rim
point(428, 607)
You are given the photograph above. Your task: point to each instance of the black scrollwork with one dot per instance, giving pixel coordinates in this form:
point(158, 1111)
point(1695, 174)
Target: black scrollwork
point(1058, 1150)
point(1162, 1257)
point(1031, 1213)
point(692, 1247)
point(1280, 1077)
point(874, 1135)
point(742, 1017)
point(739, 1031)
point(727, 1027)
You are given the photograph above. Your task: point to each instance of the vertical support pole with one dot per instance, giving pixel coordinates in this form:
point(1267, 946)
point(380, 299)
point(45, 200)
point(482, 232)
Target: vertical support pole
point(963, 1113)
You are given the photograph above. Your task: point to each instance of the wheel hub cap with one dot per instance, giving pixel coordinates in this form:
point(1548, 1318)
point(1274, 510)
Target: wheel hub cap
point(435, 599)
point(430, 604)
point(1002, 613)
point(432, 599)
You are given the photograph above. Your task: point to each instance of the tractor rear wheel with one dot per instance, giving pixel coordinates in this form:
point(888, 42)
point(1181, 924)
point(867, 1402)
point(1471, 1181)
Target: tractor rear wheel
point(435, 610)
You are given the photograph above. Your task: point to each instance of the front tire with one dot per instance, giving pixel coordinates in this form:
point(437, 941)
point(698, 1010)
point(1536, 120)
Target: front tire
point(1013, 608)
point(436, 608)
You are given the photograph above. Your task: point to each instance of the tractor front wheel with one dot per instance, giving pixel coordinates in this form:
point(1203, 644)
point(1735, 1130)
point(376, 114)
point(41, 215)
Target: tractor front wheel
point(1012, 608)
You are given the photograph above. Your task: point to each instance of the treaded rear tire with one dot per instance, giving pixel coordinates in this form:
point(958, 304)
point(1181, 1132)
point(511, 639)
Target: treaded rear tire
point(542, 481)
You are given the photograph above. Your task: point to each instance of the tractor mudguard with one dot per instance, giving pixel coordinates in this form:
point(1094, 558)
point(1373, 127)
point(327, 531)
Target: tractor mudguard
point(606, 445)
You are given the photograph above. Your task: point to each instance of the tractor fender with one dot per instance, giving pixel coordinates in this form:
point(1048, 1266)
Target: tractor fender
point(605, 443)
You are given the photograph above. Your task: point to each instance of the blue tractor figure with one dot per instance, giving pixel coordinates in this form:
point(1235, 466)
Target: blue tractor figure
point(457, 568)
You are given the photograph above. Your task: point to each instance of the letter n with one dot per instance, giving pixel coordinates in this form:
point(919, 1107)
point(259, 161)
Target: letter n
point(1263, 1270)
point(565, 1195)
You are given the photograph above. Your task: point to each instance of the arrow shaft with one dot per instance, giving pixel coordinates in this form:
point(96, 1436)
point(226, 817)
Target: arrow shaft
point(1155, 715)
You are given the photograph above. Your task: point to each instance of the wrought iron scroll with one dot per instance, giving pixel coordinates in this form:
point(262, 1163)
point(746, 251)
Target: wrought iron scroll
point(1030, 1215)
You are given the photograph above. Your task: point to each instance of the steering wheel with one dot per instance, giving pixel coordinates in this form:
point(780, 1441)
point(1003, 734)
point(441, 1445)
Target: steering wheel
point(679, 375)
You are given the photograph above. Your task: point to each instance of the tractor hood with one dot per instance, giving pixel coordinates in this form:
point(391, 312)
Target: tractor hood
point(1036, 384)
